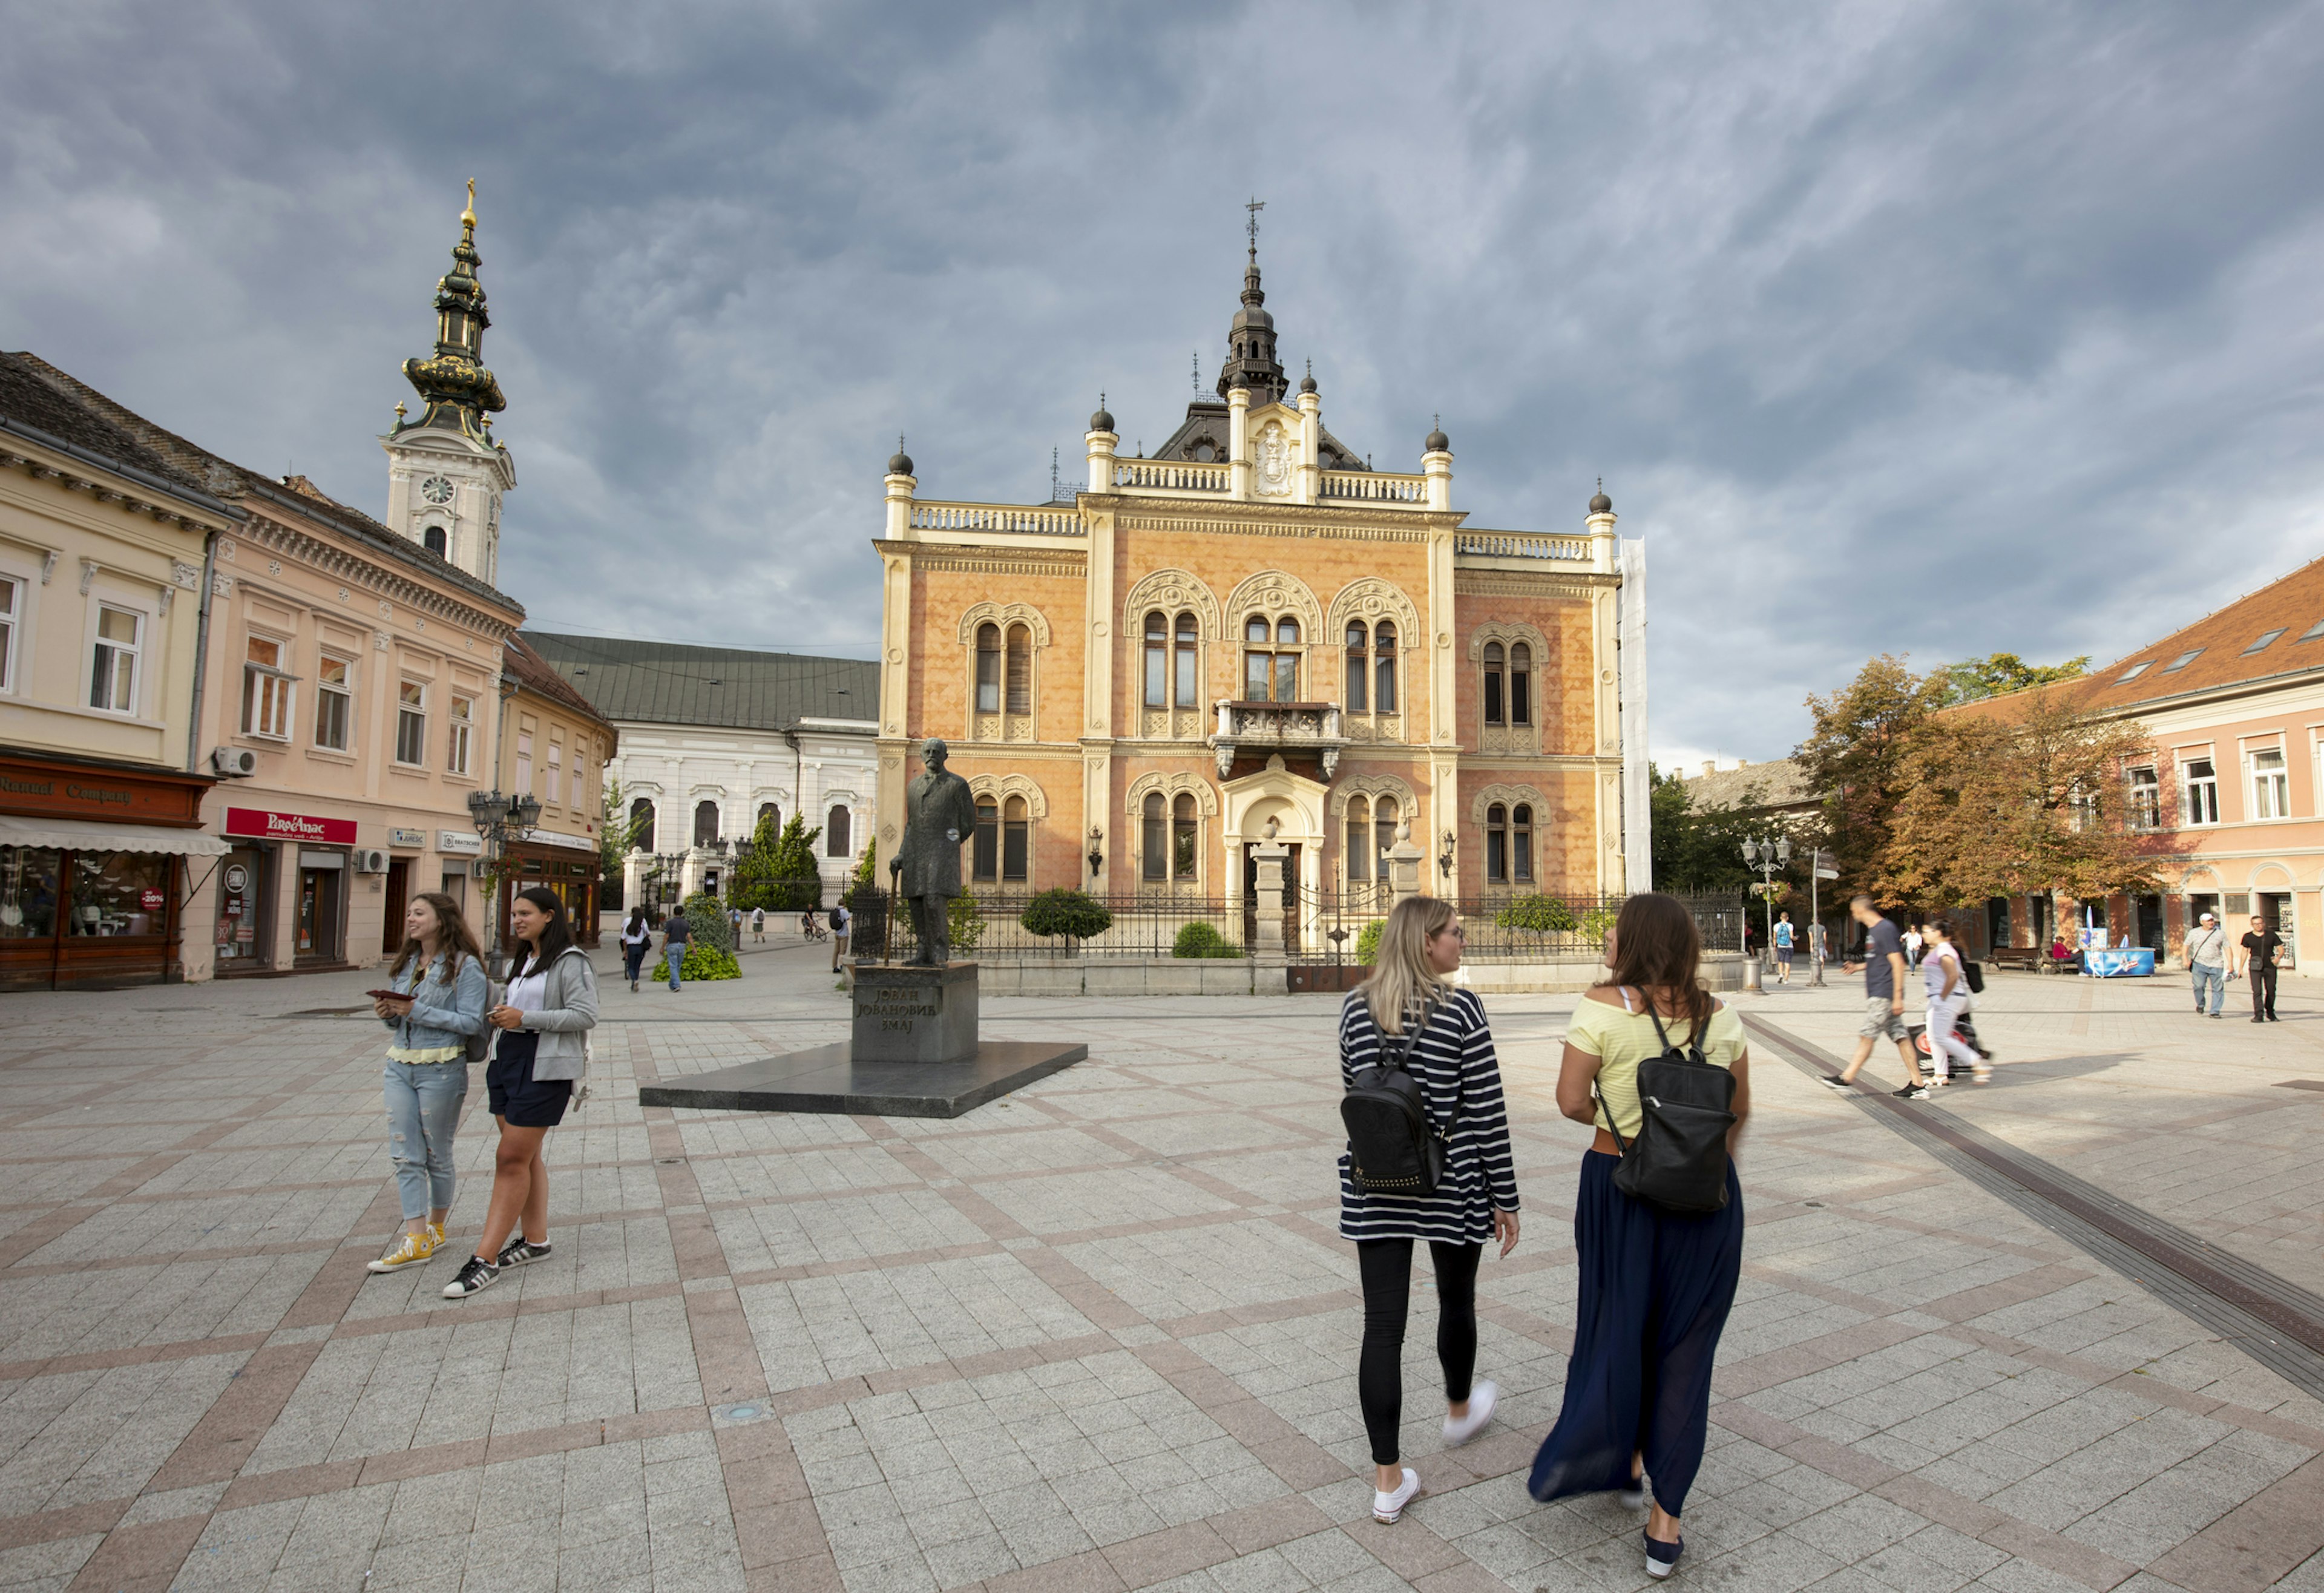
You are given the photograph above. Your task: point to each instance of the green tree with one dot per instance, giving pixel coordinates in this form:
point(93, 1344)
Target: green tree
point(753, 883)
point(1857, 754)
point(779, 871)
point(616, 836)
point(1997, 674)
point(1700, 850)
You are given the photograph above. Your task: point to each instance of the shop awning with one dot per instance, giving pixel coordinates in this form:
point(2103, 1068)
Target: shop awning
point(82, 835)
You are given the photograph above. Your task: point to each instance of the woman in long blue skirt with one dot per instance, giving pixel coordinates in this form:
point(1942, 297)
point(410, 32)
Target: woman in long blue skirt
point(1656, 1287)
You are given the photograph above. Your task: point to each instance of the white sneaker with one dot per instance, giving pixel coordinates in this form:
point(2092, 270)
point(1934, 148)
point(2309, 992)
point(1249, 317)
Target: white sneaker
point(1387, 1507)
point(1482, 1398)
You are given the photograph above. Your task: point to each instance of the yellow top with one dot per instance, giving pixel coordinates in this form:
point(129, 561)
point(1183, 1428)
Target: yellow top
point(1621, 1040)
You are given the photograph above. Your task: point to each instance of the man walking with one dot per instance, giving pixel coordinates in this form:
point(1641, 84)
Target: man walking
point(838, 933)
point(1783, 949)
point(1884, 1001)
point(758, 926)
point(2260, 945)
point(2207, 960)
point(676, 934)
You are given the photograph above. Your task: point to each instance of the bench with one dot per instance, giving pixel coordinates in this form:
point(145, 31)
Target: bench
point(2028, 958)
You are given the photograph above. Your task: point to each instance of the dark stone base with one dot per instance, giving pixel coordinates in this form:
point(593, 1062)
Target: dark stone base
point(826, 1080)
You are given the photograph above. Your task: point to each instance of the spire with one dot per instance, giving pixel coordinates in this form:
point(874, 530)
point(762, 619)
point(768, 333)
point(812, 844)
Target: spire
point(1250, 360)
point(456, 389)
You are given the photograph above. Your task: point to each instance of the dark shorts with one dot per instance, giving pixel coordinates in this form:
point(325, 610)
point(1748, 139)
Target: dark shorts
point(526, 1102)
point(1783, 955)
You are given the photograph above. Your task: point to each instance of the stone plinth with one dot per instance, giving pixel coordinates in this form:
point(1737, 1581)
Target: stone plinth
point(910, 1014)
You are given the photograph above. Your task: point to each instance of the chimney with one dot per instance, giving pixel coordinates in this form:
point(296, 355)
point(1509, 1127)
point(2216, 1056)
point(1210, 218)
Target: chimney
point(1710, 765)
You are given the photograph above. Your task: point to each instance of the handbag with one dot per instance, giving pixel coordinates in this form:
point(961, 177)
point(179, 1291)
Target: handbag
point(1393, 1146)
point(1678, 1162)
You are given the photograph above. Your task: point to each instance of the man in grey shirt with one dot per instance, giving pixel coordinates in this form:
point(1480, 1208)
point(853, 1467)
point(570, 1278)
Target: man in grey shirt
point(1884, 1001)
point(2207, 960)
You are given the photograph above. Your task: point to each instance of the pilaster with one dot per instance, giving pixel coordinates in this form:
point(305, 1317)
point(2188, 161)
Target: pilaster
point(1238, 442)
point(1310, 439)
point(1099, 606)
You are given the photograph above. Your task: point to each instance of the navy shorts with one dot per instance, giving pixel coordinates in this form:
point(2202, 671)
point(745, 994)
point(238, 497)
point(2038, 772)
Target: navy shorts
point(525, 1101)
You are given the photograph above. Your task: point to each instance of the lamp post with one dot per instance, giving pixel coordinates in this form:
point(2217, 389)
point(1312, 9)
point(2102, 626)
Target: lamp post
point(1445, 858)
point(498, 820)
point(1769, 856)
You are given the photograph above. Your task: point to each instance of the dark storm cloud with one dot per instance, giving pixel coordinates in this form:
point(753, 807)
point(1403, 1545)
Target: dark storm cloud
point(1940, 328)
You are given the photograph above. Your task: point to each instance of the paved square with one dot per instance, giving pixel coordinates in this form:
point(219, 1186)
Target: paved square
point(1102, 1336)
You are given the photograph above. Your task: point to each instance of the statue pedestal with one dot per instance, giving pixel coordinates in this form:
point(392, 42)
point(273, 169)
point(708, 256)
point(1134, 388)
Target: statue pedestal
point(913, 1014)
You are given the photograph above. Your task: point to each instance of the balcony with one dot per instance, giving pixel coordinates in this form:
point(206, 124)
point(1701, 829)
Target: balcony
point(1276, 727)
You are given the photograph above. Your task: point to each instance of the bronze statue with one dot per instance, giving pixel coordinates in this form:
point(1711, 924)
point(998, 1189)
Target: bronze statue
point(939, 813)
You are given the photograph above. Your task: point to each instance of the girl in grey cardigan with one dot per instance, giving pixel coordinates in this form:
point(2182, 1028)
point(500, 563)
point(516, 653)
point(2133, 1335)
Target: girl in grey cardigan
point(537, 1059)
point(439, 1007)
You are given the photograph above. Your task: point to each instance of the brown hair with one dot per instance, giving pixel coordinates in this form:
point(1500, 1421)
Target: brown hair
point(1402, 982)
point(453, 937)
point(1657, 946)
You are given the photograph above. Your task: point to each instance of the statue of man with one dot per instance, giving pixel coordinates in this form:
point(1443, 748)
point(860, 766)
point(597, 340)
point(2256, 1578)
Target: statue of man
point(939, 813)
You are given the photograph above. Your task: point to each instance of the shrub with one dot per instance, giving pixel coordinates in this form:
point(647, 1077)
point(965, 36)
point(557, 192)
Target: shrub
point(707, 916)
point(965, 925)
point(1067, 912)
point(1544, 915)
point(1201, 940)
point(1368, 942)
point(703, 960)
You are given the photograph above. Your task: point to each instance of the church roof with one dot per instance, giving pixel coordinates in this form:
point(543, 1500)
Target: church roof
point(724, 687)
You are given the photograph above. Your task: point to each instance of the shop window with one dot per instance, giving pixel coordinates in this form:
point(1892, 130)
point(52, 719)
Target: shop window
point(265, 691)
point(2271, 785)
point(1154, 848)
point(1521, 842)
point(1270, 660)
point(2145, 802)
point(1185, 836)
point(1016, 840)
point(524, 763)
point(1020, 669)
point(838, 839)
point(411, 723)
point(1520, 684)
point(641, 825)
point(31, 881)
point(113, 662)
point(12, 599)
point(2202, 793)
point(335, 702)
point(460, 743)
point(984, 853)
point(119, 893)
point(1496, 844)
point(1184, 666)
point(988, 668)
point(706, 823)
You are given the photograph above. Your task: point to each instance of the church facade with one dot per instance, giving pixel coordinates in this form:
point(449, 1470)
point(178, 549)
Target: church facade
point(1253, 635)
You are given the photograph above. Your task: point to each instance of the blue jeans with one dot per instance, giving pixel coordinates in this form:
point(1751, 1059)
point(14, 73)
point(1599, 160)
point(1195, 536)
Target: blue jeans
point(676, 957)
point(2214, 979)
point(423, 1108)
point(633, 958)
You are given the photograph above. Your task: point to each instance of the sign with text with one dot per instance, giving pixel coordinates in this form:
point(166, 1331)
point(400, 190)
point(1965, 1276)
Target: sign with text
point(271, 826)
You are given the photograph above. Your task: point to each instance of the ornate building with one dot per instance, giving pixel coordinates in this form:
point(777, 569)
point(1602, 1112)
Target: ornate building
point(1252, 628)
point(446, 474)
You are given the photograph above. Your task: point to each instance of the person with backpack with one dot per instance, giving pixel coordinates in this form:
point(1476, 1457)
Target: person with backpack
point(838, 935)
point(1428, 1160)
point(676, 934)
point(1783, 936)
point(758, 926)
point(540, 1055)
point(1658, 1225)
point(636, 940)
point(436, 1016)
point(1946, 982)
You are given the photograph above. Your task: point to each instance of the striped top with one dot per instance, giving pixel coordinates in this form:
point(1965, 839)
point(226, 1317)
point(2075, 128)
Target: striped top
point(1452, 1057)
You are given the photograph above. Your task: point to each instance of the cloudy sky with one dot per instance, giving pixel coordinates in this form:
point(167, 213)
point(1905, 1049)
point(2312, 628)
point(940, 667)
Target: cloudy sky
point(1938, 329)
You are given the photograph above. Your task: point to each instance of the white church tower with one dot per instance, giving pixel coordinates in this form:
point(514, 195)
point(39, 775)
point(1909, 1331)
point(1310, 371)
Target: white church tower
point(446, 474)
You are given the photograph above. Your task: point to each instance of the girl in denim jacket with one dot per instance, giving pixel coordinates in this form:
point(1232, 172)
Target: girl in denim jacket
point(441, 994)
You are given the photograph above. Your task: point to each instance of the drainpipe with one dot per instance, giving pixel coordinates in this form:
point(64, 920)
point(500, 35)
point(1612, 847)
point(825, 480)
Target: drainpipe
point(201, 653)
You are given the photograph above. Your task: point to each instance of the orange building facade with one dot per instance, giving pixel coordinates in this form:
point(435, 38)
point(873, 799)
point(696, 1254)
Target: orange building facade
point(1252, 635)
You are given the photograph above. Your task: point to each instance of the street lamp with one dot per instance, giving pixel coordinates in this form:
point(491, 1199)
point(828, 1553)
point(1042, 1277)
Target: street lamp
point(500, 820)
point(1096, 851)
point(1769, 857)
point(1445, 858)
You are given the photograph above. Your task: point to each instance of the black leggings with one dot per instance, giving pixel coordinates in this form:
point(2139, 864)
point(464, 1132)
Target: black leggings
point(1387, 1268)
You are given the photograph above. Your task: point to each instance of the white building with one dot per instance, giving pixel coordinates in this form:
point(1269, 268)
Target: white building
point(712, 738)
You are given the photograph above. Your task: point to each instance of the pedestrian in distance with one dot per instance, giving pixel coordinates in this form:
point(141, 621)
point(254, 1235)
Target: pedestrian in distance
point(1884, 973)
point(758, 926)
point(2259, 949)
point(1913, 942)
point(1784, 934)
point(1948, 994)
point(1656, 1285)
point(636, 939)
point(735, 923)
point(436, 1014)
point(541, 1052)
point(2206, 963)
point(807, 929)
point(676, 934)
point(838, 935)
point(1408, 1010)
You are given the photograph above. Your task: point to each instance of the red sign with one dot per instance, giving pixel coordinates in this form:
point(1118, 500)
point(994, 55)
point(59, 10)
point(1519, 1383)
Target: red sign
point(289, 827)
point(152, 899)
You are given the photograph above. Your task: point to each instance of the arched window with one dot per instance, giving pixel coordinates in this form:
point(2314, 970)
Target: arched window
point(1520, 684)
point(988, 668)
point(1495, 668)
point(1016, 840)
point(1154, 848)
point(1521, 841)
point(837, 838)
point(1183, 833)
point(984, 854)
point(1359, 839)
point(1359, 668)
point(1020, 669)
point(1383, 833)
point(1158, 660)
point(769, 813)
point(641, 825)
point(1496, 844)
point(434, 538)
point(706, 823)
point(1270, 660)
point(1189, 676)
point(1384, 667)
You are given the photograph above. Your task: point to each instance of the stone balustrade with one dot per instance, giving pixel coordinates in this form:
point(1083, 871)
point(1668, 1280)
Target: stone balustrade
point(1039, 520)
point(1170, 476)
point(1294, 727)
point(1521, 545)
point(1374, 487)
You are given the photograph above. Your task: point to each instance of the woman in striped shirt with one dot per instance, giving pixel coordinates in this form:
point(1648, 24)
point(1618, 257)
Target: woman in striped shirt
point(1451, 1054)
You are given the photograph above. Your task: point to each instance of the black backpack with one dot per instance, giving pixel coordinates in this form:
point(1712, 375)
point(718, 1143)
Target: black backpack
point(1393, 1147)
point(1678, 1162)
point(1973, 976)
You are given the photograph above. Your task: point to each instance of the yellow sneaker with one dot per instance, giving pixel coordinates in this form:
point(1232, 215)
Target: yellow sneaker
point(409, 1249)
point(436, 1233)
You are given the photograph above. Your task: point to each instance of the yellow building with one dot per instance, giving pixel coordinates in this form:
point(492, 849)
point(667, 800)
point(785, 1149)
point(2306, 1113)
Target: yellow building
point(554, 749)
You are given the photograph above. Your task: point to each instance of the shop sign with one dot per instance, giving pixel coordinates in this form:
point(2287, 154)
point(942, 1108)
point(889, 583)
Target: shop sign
point(406, 837)
point(289, 827)
point(550, 838)
point(152, 899)
point(59, 790)
point(465, 842)
point(237, 878)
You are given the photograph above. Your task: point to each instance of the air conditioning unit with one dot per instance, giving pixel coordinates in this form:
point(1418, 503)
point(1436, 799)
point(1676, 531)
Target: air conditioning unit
point(238, 762)
point(371, 859)
point(480, 870)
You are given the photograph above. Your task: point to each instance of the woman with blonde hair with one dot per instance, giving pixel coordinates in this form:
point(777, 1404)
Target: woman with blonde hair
point(1656, 1285)
point(1406, 1015)
point(438, 980)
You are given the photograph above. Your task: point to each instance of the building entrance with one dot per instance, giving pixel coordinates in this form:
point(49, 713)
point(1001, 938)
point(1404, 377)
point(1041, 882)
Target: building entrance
point(322, 905)
point(1290, 896)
